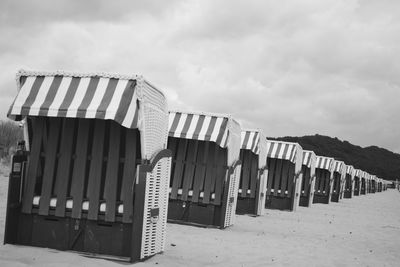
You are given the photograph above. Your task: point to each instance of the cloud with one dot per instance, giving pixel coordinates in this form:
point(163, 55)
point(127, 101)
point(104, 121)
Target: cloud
point(290, 68)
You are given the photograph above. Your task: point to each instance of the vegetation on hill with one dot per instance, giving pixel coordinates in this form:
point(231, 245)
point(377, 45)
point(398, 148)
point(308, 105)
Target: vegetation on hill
point(374, 160)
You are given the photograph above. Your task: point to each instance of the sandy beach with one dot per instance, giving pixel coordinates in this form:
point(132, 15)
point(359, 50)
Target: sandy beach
point(362, 231)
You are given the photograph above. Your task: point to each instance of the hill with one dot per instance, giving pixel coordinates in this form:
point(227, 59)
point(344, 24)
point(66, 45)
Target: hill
point(375, 160)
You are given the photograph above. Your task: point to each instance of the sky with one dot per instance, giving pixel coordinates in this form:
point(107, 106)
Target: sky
point(290, 67)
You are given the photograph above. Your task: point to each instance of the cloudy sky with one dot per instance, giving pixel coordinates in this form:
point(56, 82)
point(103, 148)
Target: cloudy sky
point(288, 67)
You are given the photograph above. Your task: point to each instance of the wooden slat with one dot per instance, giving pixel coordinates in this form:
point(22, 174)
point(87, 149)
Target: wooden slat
point(210, 173)
point(285, 177)
point(178, 170)
point(253, 175)
point(33, 164)
point(189, 168)
point(95, 171)
point(49, 165)
point(220, 175)
point(291, 179)
point(200, 170)
point(307, 178)
point(271, 174)
point(111, 181)
point(327, 182)
point(246, 164)
point(278, 176)
point(79, 169)
point(132, 152)
point(64, 162)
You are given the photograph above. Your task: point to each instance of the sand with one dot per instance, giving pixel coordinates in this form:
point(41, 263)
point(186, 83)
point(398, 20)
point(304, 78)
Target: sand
point(362, 231)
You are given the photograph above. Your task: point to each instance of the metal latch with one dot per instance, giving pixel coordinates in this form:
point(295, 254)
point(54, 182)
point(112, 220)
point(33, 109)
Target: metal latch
point(154, 214)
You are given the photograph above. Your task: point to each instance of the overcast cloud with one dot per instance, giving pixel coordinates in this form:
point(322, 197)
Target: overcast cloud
point(289, 67)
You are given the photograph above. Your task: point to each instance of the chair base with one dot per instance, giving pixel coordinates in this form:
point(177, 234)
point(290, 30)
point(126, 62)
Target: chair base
point(324, 199)
point(279, 203)
point(81, 235)
point(335, 197)
point(304, 201)
point(347, 195)
point(246, 206)
point(194, 213)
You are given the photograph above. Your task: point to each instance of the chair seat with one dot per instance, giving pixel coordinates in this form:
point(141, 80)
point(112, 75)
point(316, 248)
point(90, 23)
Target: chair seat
point(70, 203)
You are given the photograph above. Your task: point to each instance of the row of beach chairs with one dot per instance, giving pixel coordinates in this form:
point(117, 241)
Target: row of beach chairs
point(104, 165)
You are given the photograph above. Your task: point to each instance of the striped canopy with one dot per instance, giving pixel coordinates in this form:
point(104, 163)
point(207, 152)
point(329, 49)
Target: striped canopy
point(350, 169)
point(358, 173)
point(325, 163)
point(338, 166)
point(199, 126)
point(250, 140)
point(60, 94)
point(282, 150)
point(307, 155)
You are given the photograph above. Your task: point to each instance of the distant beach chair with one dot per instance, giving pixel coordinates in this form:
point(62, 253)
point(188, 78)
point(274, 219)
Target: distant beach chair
point(254, 173)
point(339, 175)
point(357, 182)
point(96, 177)
point(206, 168)
point(308, 181)
point(349, 182)
point(284, 175)
point(324, 179)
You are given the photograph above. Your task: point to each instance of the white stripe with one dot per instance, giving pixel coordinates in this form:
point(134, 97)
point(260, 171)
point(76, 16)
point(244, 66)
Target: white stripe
point(22, 95)
point(130, 114)
point(41, 95)
point(181, 123)
point(79, 95)
point(97, 97)
point(113, 106)
point(242, 136)
point(224, 137)
point(217, 128)
point(60, 95)
point(249, 142)
point(192, 126)
point(204, 128)
point(283, 146)
point(171, 118)
point(274, 148)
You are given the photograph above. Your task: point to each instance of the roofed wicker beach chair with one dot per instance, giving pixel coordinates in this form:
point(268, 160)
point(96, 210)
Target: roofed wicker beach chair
point(308, 182)
point(324, 179)
point(284, 175)
point(254, 173)
point(339, 175)
point(357, 182)
point(349, 183)
point(95, 177)
point(206, 168)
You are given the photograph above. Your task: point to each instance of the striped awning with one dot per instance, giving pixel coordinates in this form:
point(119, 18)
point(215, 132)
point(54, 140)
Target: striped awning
point(338, 166)
point(72, 95)
point(358, 173)
point(250, 140)
point(350, 169)
point(199, 126)
point(282, 150)
point(325, 163)
point(307, 155)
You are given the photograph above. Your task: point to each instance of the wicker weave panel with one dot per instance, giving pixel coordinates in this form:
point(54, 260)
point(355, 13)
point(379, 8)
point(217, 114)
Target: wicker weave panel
point(232, 193)
point(154, 232)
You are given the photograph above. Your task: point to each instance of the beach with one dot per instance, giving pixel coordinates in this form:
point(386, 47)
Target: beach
point(361, 231)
